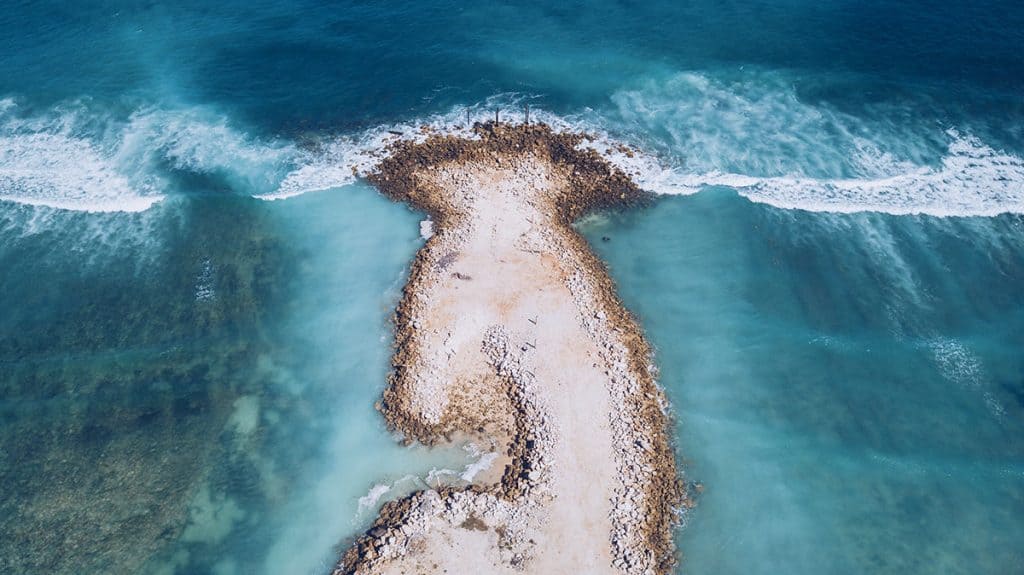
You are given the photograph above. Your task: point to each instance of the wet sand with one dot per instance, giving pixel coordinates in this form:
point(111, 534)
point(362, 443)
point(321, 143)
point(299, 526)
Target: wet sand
point(509, 332)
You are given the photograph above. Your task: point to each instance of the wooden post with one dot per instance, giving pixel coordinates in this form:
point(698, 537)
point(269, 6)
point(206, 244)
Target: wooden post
point(527, 113)
point(468, 125)
point(496, 116)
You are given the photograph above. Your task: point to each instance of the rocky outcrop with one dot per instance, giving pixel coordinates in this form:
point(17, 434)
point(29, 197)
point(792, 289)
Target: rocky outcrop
point(503, 203)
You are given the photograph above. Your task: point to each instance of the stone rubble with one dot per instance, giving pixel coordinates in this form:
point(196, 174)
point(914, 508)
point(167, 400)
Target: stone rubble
point(416, 403)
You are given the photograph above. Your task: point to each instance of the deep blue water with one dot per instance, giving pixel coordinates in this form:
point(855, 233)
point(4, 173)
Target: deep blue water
point(833, 280)
point(288, 66)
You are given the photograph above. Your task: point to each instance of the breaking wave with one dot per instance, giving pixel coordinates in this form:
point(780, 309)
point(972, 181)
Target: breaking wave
point(758, 137)
point(679, 135)
point(972, 179)
point(77, 159)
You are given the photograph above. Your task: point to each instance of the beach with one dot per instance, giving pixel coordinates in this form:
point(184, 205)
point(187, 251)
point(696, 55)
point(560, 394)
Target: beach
point(509, 332)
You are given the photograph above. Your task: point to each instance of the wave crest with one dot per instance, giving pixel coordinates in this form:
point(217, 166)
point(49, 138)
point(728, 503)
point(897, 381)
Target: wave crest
point(675, 136)
point(972, 179)
point(758, 137)
point(66, 172)
point(74, 158)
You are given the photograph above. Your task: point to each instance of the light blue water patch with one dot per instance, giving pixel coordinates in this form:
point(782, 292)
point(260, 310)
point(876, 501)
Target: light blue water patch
point(334, 344)
point(847, 388)
point(204, 402)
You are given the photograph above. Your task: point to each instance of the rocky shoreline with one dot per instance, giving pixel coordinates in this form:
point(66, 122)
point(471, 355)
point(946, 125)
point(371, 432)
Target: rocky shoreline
point(511, 401)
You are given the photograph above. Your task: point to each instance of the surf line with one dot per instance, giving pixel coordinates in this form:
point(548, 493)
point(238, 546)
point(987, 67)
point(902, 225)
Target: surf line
point(510, 330)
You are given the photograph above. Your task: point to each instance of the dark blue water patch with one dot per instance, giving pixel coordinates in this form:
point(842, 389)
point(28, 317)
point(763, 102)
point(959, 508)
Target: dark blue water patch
point(316, 65)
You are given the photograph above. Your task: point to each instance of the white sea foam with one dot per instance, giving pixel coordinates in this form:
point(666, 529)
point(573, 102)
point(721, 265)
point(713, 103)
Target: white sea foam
point(369, 501)
point(340, 161)
point(479, 462)
point(65, 172)
point(76, 158)
point(483, 463)
point(956, 363)
point(427, 229)
point(47, 160)
point(972, 180)
point(961, 366)
point(199, 141)
point(758, 137)
point(675, 136)
point(338, 164)
point(204, 290)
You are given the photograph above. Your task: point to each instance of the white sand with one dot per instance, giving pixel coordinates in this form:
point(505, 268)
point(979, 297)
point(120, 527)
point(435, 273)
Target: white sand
point(511, 338)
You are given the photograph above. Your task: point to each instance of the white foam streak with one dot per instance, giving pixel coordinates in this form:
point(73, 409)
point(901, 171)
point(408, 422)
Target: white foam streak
point(369, 501)
point(60, 171)
point(676, 137)
point(337, 165)
point(479, 466)
point(758, 137)
point(342, 160)
point(194, 140)
point(972, 180)
point(75, 159)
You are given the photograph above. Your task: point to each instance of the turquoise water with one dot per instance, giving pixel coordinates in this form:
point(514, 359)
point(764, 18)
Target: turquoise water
point(848, 388)
point(191, 388)
point(832, 276)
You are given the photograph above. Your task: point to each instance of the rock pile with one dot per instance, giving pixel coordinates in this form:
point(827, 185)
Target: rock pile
point(417, 404)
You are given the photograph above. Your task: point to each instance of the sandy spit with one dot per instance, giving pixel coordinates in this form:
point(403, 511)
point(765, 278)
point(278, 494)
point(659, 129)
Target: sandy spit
point(510, 331)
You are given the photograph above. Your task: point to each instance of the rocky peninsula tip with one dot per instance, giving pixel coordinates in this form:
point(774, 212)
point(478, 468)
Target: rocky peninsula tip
point(510, 332)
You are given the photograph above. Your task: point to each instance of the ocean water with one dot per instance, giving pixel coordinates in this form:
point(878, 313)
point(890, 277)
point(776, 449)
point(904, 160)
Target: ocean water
point(847, 387)
point(196, 284)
